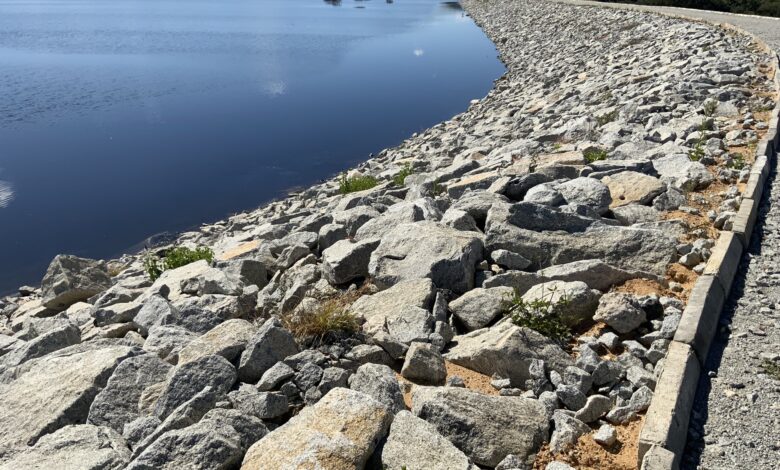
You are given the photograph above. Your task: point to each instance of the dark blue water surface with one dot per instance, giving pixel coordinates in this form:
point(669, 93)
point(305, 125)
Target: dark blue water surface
point(124, 118)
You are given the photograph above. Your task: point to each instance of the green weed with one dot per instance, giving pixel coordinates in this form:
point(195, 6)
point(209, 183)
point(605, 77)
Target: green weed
point(593, 155)
point(400, 178)
point(175, 258)
point(356, 183)
point(542, 315)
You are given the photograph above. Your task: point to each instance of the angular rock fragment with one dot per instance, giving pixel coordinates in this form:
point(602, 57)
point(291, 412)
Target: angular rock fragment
point(340, 431)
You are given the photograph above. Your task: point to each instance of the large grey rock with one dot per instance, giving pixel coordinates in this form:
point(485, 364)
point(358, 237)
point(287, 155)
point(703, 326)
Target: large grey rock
point(576, 300)
point(596, 407)
point(536, 217)
point(506, 350)
point(263, 405)
point(486, 428)
point(379, 382)
point(588, 192)
point(186, 414)
point(520, 281)
point(340, 431)
point(116, 313)
point(155, 311)
point(595, 273)
point(375, 309)
point(74, 447)
point(634, 249)
point(414, 443)
point(202, 313)
point(117, 403)
point(620, 311)
point(188, 379)
point(53, 340)
point(246, 271)
point(135, 431)
point(634, 214)
point(510, 260)
point(52, 392)
point(174, 283)
point(477, 204)
point(405, 212)
point(629, 187)
point(227, 340)
point(216, 442)
point(409, 324)
point(167, 341)
point(479, 307)
point(274, 376)
point(424, 364)
point(568, 430)
point(688, 175)
point(353, 219)
point(427, 250)
point(346, 261)
point(269, 345)
point(70, 279)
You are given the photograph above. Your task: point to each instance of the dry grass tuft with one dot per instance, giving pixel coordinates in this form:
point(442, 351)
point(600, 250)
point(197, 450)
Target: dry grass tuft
point(331, 316)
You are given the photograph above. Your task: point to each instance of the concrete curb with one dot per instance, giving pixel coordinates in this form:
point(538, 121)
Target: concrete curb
point(664, 433)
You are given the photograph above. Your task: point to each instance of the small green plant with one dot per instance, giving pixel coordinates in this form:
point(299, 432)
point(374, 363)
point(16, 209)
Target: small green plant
point(593, 155)
point(607, 117)
point(175, 258)
point(356, 183)
point(709, 107)
point(557, 146)
point(400, 178)
point(698, 151)
point(771, 368)
point(737, 161)
point(543, 315)
point(438, 188)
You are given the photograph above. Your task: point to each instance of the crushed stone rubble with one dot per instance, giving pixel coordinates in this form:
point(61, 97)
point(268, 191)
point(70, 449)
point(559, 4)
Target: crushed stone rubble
point(592, 180)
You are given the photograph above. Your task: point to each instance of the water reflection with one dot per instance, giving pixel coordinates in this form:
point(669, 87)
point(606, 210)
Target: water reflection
point(6, 193)
point(126, 118)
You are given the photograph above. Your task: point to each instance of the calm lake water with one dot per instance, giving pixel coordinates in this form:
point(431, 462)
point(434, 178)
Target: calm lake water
point(120, 119)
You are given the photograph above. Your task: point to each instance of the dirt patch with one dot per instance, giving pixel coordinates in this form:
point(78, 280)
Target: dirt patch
point(684, 276)
point(588, 455)
point(693, 222)
point(239, 250)
point(473, 380)
point(640, 287)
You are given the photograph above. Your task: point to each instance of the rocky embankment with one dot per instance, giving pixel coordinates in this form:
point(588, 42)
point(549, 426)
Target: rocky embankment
point(378, 328)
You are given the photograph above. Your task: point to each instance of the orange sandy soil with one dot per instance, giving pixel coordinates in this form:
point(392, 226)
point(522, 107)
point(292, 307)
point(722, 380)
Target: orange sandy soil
point(473, 380)
point(588, 455)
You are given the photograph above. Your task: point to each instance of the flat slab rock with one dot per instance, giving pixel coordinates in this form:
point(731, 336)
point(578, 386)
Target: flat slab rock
point(427, 250)
point(506, 350)
point(340, 432)
point(74, 447)
point(486, 428)
point(414, 443)
point(52, 393)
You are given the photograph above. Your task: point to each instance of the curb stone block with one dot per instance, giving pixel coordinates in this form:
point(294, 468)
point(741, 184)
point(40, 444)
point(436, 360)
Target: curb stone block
point(745, 220)
point(761, 168)
point(700, 317)
point(753, 187)
point(666, 423)
point(658, 458)
point(724, 261)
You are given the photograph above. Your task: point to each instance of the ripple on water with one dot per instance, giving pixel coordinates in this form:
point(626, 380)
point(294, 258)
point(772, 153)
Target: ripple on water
point(6, 193)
